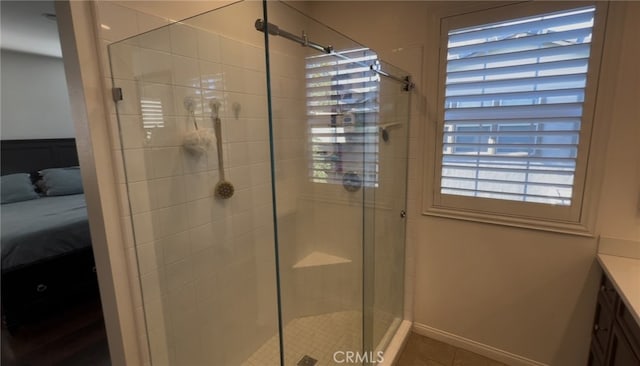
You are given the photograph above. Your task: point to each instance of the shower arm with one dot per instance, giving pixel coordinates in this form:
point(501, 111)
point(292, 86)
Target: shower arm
point(274, 30)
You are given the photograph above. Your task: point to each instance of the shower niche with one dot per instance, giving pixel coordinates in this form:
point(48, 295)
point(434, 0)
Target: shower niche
point(305, 259)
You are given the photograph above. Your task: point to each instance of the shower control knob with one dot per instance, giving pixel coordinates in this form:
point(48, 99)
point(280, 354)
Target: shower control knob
point(403, 213)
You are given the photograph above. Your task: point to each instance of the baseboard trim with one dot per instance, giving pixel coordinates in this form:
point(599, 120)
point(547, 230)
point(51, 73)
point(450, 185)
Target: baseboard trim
point(473, 346)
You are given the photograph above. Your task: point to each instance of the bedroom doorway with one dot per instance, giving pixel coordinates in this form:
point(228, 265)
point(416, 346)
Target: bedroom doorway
point(51, 308)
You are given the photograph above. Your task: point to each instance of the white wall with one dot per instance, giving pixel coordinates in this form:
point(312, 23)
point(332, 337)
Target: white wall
point(35, 101)
point(528, 294)
point(619, 210)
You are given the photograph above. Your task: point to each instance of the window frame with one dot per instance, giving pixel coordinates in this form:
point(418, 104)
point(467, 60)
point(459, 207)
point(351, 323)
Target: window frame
point(576, 218)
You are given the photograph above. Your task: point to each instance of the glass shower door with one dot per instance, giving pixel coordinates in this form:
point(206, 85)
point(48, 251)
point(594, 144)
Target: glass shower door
point(318, 120)
point(206, 264)
point(384, 247)
point(340, 144)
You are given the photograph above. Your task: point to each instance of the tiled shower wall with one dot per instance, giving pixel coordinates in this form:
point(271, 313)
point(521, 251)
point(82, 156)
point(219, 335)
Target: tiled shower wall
point(206, 266)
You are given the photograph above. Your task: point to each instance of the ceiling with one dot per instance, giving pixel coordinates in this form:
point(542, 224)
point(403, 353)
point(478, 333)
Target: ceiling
point(24, 29)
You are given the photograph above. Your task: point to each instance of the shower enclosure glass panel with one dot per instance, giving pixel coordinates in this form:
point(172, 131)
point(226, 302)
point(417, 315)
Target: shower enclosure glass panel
point(384, 281)
point(322, 139)
point(340, 192)
point(315, 270)
point(206, 265)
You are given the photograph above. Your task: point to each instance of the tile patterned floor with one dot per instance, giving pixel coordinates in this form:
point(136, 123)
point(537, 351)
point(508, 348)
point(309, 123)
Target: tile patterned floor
point(423, 351)
point(317, 336)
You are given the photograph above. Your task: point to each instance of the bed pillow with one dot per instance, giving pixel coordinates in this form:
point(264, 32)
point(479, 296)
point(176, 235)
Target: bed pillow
point(61, 181)
point(16, 188)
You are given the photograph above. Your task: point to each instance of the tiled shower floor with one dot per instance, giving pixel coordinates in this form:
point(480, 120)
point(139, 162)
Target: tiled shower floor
point(317, 336)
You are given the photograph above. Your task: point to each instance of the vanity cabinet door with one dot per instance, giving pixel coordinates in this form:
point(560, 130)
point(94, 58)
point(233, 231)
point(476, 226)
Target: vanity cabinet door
point(620, 352)
point(629, 326)
point(602, 325)
point(608, 292)
point(594, 358)
point(615, 336)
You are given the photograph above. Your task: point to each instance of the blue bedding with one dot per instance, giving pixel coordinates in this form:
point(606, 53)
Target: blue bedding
point(43, 228)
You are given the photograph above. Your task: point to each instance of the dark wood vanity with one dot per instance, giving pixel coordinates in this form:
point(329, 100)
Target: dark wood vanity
point(615, 337)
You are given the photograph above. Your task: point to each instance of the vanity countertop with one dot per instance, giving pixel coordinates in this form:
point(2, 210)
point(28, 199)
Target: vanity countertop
point(624, 273)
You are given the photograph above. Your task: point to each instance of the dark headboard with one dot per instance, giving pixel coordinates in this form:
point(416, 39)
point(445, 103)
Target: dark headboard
point(26, 156)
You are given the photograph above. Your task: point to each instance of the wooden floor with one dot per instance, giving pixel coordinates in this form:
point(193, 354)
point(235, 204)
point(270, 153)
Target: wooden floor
point(75, 338)
point(423, 351)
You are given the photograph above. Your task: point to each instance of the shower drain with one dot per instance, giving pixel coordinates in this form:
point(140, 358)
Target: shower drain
point(307, 361)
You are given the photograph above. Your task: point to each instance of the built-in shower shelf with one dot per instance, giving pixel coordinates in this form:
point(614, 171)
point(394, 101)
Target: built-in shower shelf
point(320, 259)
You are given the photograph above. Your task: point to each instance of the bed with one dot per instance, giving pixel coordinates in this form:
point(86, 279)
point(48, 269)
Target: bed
point(47, 261)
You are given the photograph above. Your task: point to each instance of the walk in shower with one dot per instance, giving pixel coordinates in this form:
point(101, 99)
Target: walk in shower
point(300, 260)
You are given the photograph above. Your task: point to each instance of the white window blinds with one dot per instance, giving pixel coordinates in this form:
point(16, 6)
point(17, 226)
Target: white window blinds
point(151, 110)
point(514, 94)
point(342, 114)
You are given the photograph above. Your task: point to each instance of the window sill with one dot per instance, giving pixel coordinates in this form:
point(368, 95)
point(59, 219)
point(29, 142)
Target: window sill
point(568, 228)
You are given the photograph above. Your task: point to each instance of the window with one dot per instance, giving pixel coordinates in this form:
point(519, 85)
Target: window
point(342, 113)
point(516, 103)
